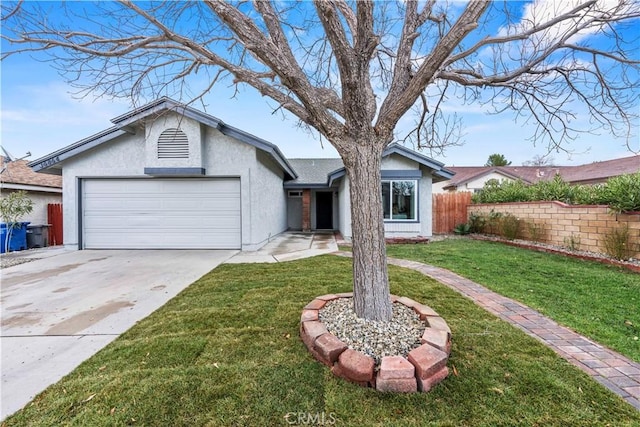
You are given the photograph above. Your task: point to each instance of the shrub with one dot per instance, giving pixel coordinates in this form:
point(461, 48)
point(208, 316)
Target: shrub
point(589, 194)
point(502, 192)
point(510, 226)
point(477, 222)
point(493, 222)
point(536, 231)
point(555, 189)
point(622, 193)
point(617, 243)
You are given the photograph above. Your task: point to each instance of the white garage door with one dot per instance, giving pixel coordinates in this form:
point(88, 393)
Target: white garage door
point(161, 213)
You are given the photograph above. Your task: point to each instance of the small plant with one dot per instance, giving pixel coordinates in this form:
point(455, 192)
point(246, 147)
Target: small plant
point(12, 208)
point(494, 221)
point(477, 222)
point(572, 242)
point(462, 229)
point(510, 225)
point(536, 231)
point(617, 243)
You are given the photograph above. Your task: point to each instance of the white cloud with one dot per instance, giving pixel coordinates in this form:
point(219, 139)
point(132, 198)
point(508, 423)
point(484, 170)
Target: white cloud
point(543, 11)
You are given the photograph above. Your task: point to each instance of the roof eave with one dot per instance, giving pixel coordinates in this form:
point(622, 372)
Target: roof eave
point(438, 169)
point(335, 175)
point(47, 163)
point(31, 187)
point(165, 104)
point(260, 144)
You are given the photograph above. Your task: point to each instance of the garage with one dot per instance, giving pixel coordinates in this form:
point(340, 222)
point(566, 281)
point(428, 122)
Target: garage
point(161, 213)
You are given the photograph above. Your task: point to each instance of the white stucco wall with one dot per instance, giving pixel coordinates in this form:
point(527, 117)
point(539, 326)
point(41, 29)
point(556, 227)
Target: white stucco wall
point(396, 162)
point(344, 201)
point(395, 229)
point(268, 202)
point(426, 203)
point(478, 184)
point(168, 120)
point(438, 187)
point(263, 199)
point(474, 184)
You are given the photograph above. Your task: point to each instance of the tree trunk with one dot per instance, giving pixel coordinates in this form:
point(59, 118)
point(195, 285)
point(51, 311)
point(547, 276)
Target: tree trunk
point(371, 297)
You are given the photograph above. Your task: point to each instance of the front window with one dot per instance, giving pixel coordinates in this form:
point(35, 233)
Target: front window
point(399, 200)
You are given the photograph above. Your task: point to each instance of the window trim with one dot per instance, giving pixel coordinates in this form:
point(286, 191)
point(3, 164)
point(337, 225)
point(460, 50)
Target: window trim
point(416, 210)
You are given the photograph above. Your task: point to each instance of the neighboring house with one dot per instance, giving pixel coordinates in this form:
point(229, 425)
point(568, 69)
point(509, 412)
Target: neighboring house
point(169, 176)
point(474, 178)
point(41, 188)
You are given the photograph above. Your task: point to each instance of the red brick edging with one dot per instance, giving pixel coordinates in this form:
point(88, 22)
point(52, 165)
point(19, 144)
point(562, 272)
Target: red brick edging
point(423, 368)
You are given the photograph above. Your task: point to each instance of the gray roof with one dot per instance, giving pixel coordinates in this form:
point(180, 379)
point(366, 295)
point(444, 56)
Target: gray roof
point(322, 173)
point(313, 172)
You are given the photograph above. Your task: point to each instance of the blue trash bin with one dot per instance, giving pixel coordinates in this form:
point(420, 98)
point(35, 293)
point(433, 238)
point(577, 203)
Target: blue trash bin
point(17, 238)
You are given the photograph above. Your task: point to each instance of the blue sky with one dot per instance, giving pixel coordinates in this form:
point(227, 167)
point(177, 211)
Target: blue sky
point(40, 114)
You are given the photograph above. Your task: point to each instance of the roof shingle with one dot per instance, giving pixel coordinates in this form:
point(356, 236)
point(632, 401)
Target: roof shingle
point(18, 172)
point(583, 174)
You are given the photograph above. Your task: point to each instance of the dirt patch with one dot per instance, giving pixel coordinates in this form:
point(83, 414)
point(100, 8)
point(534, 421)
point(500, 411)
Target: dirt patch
point(158, 288)
point(24, 319)
point(59, 290)
point(87, 318)
point(22, 279)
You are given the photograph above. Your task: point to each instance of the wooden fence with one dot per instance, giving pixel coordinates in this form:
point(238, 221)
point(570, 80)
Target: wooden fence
point(449, 210)
point(54, 218)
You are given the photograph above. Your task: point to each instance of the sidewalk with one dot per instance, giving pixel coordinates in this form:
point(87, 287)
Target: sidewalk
point(289, 246)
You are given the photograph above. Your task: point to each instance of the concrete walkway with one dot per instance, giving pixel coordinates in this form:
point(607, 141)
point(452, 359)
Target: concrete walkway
point(616, 372)
point(288, 247)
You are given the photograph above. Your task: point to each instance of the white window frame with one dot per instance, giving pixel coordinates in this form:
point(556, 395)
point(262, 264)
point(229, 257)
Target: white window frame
point(390, 202)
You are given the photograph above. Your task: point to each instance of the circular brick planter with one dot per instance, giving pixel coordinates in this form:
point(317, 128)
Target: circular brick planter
point(423, 368)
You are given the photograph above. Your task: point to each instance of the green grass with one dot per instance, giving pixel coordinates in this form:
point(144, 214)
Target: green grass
point(599, 301)
point(226, 352)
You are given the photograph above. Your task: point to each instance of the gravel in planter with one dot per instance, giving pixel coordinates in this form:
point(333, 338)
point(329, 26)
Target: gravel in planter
point(376, 339)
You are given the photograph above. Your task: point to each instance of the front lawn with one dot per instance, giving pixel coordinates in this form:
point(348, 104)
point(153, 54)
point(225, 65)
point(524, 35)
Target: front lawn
point(226, 352)
point(599, 301)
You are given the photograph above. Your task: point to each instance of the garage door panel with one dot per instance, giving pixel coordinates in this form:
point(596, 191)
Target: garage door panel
point(162, 213)
point(173, 240)
point(151, 223)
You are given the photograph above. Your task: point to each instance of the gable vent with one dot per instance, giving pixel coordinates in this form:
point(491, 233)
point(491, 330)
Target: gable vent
point(173, 144)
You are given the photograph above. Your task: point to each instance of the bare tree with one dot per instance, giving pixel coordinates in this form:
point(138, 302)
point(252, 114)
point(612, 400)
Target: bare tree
point(352, 70)
point(539, 160)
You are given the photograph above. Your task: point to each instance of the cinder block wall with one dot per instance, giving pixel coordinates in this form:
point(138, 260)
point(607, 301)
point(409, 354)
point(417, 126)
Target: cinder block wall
point(559, 223)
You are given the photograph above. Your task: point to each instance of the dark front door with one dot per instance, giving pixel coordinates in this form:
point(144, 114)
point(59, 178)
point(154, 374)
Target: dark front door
point(324, 211)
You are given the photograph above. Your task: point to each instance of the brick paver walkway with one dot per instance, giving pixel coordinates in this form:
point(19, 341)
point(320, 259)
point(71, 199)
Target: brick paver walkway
point(618, 373)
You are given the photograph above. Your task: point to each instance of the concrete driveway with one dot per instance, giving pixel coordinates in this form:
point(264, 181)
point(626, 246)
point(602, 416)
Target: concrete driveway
point(60, 310)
